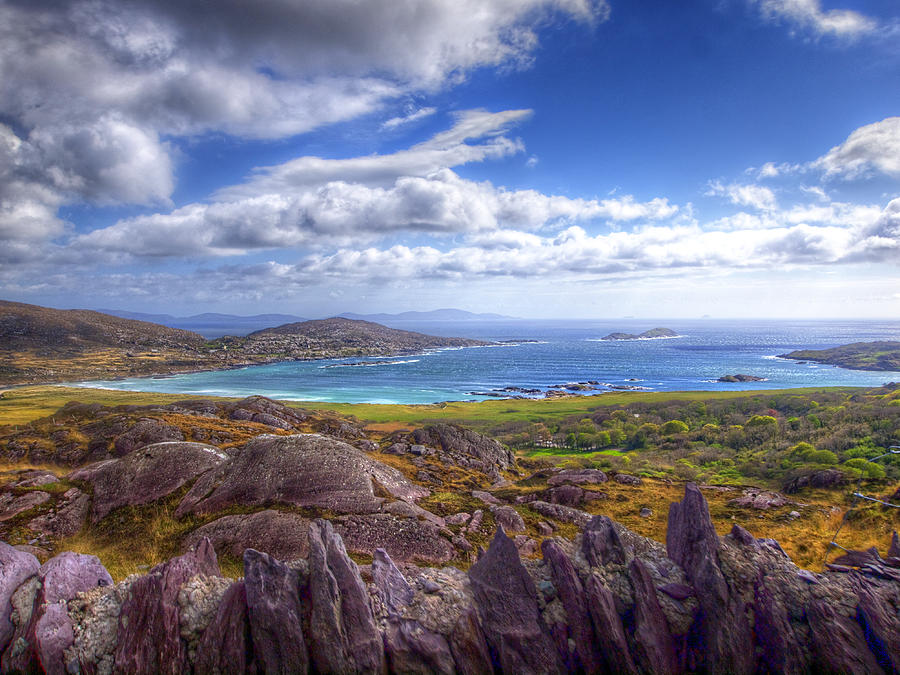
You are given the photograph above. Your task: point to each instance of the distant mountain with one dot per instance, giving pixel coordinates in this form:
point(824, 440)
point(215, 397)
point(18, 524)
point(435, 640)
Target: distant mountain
point(433, 315)
point(211, 324)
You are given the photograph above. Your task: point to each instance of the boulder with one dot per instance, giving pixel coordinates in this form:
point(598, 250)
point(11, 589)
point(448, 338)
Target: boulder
point(565, 514)
point(274, 615)
point(146, 431)
point(15, 568)
point(11, 506)
point(568, 495)
point(302, 470)
point(761, 500)
point(149, 639)
point(627, 479)
point(602, 545)
point(507, 604)
point(577, 476)
point(282, 535)
point(405, 539)
point(146, 475)
point(343, 636)
point(66, 518)
point(838, 642)
point(508, 518)
point(465, 448)
point(395, 591)
point(264, 410)
point(821, 478)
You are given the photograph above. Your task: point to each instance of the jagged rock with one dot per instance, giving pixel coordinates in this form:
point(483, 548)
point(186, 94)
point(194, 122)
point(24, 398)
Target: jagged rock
point(526, 545)
point(692, 542)
point(282, 535)
point(562, 513)
point(838, 641)
point(405, 539)
point(302, 470)
point(877, 614)
point(475, 523)
point(146, 431)
point(457, 519)
point(95, 618)
point(858, 558)
point(608, 630)
point(149, 637)
point(627, 479)
point(343, 636)
point(601, 543)
point(572, 595)
point(578, 476)
point(508, 518)
point(15, 568)
point(11, 506)
point(40, 640)
point(146, 475)
point(894, 550)
point(774, 632)
point(198, 601)
point(655, 647)
point(507, 605)
point(545, 529)
point(395, 590)
point(821, 478)
point(66, 518)
point(273, 613)
point(225, 644)
point(409, 510)
point(465, 448)
point(34, 478)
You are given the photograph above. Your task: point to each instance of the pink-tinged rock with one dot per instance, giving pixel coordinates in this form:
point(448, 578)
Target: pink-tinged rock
point(877, 614)
point(146, 431)
point(149, 639)
point(571, 594)
point(225, 644)
point(395, 589)
point(611, 641)
point(601, 543)
point(690, 535)
point(412, 648)
point(468, 645)
point(146, 475)
point(11, 506)
point(578, 476)
point(627, 479)
point(273, 609)
point(762, 500)
point(894, 550)
point(405, 539)
point(655, 648)
point(568, 495)
point(284, 536)
point(303, 470)
point(506, 599)
point(838, 642)
point(67, 518)
point(343, 636)
point(15, 568)
point(42, 640)
point(562, 513)
point(780, 645)
point(508, 518)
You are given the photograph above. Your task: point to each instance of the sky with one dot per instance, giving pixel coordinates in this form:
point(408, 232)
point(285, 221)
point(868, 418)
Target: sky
point(537, 158)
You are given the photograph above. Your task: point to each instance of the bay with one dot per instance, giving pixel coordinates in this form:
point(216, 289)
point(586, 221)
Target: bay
point(564, 352)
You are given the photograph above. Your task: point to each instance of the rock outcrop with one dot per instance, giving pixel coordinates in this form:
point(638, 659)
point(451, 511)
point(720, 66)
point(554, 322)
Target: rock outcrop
point(607, 601)
point(454, 445)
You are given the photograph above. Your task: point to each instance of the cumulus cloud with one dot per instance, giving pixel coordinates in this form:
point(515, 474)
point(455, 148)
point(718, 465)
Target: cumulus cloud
point(326, 202)
point(755, 196)
point(808, 14)
point(874, 147)
point(90, 89)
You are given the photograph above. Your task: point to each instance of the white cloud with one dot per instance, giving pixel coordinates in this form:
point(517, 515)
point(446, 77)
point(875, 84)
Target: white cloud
point(315, 202)
point(809, 14)
point(874, 147)
point(414, 116)
point(755, 196)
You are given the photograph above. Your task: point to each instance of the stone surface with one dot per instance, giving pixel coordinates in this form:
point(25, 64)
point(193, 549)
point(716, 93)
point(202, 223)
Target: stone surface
point(507, 606)
point(305, 470)
point(225, 644)
point(577, 476)
point(601, 543)
point(11, 506)
point(343, 636)
point(282, 535)
point(405, 539)
point(569, 495)
point(655, 648)
point(146, 431)
point(761, 500)
point(627, 479)
point(465, 448)
point(149, 638)
point(15, 568)
point(146, 475)
point(508, 518)
point(821, 478)
point(67, 518)
point(273, 613)
point(562, 513)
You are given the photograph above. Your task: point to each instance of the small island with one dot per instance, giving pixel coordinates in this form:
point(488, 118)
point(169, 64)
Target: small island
point(740, 377)
point(652, 334)
point(881, 356)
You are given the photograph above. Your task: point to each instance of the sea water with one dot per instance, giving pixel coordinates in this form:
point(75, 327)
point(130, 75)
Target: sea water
point(563, 352)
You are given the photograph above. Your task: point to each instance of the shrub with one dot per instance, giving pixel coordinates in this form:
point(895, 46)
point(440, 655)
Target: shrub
point(821, 457)
point(869, 469)
point(674, 427)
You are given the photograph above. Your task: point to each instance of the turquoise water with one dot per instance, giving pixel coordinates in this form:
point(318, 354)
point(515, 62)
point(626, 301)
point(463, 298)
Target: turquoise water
point(566, 351)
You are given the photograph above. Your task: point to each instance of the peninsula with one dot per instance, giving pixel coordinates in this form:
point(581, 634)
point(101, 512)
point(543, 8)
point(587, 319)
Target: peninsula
point(882, 355)
point(39, 344)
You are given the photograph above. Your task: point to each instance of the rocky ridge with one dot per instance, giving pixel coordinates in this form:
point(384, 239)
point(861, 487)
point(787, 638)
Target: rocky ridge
point(606, 601)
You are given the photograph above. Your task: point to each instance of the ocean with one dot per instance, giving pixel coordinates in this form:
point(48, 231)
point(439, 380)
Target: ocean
point(563, 352)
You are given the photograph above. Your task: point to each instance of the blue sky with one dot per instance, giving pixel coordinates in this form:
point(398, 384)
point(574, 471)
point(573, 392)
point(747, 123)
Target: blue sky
point(543, 158)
